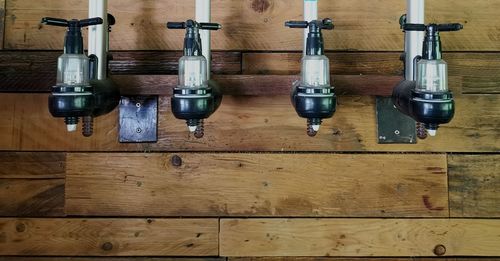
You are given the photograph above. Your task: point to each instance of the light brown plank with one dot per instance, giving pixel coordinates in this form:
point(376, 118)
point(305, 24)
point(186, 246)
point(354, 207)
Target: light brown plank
point(479, 70)
point(257, 185)
point(31, 197)
point(474, 185)
point(249, 124)
point(256, 24)
point(31, 165)
point(109, 237)
point(358, 237)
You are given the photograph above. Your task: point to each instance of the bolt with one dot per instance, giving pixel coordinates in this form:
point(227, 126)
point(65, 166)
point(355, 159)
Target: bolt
point(176, 161)
point(107, 246)
point(439, 250)
point(88, 126)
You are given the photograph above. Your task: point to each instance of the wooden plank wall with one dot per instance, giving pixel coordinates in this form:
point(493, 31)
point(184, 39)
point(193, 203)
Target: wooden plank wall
point(256, 188)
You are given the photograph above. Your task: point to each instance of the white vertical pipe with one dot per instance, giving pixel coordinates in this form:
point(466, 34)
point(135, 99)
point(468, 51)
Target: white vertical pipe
point(203, 13)
point(414, 40)
point(310, 14)
point(98, 35)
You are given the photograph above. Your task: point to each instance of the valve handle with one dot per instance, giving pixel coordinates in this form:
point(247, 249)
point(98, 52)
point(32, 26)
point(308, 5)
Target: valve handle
point(325, 24)
point(194, 24)
point(71, 23)
point(436, 27)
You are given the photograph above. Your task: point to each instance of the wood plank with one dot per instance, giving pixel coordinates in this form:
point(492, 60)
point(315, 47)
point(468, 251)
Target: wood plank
point(35, 71)
point(113, 259)
point(358, 237)
point(2, 23)
point(109, 237)
point(256, 185)
point(359, 259)
point(263, 85)
point(474, 185)
point(257, 24)
point(31, 197)
point(479, 70)
point(29, 165)
point(250, 124)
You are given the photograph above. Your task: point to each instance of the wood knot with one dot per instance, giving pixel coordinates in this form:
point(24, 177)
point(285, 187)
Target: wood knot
point(439, 250)
point(20, 227)
point(260, 6)
point(107, 246)
point(176, 161)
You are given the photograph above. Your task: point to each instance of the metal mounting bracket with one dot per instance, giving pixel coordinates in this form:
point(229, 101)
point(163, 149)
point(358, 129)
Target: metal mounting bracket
point(139, 119)
point(393, 126)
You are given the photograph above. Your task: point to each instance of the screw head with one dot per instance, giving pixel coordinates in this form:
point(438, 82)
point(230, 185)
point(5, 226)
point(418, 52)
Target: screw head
point(176, 161)
point(138, 105)
point(138, 130)
point(397, 132)
point(439, 250)
point(20, 227)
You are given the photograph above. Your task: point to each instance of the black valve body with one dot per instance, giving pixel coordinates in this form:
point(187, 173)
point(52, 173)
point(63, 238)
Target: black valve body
point(196, 104)
point(431, 109)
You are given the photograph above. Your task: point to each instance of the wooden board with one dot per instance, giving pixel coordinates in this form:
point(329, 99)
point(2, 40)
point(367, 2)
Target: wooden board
point(474, 185)
point(28, 165)
point(478, 70)
point(358, 237)
point(35, 71)
point(257, 185)
point(256, 24)
point(32, 184)
point(358, 259)
point(114, 259)
point(109, 237)
point(2, 22)
point(249, 124)
point(31, 197)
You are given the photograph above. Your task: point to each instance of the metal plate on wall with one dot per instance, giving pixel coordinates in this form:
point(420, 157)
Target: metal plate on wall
point(393, 126)
point(139, 119)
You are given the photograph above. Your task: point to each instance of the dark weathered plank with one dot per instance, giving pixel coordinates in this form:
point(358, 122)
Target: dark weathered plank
point(359, 237)
point(35, 71)
point(479, 70)
point(265, 123)
point(474, 185)
point(257, 24)
point(113, 259)
point(305, 185)
point(109, 237)
point(31, 197)
point(2, 22)
point(29, 165)
point(262, 85)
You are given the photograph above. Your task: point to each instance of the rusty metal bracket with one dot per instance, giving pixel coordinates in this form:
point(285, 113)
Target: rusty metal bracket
point(394, 127)
point(139, 119)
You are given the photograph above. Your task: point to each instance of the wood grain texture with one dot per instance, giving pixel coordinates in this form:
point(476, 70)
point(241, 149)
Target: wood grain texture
point(359, 259)
point(35, 71)
point(478, 70)
point(256, 24)
point(474, 185)
point(358, 237)
point(2, 23)
point(114, 259)
point(249, 124)
point(31, 197)
point(109, 237)
point(29, 165)
point(257, 185)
